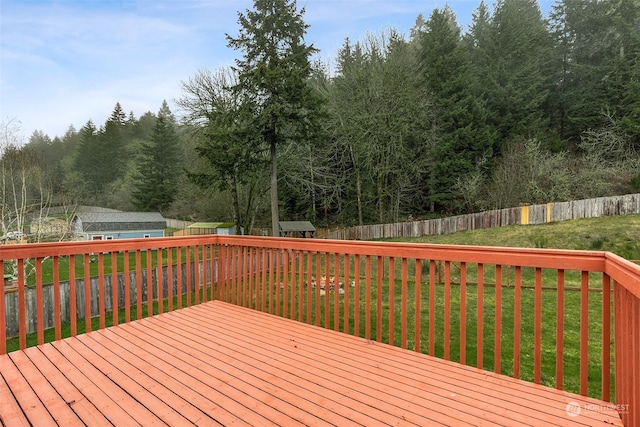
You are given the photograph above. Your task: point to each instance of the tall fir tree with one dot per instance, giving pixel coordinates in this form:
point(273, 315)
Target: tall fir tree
point(516, 55)
point(85, 158)
point(273, 74)
point(597, 59)
point(158, 166)
point(463, 137)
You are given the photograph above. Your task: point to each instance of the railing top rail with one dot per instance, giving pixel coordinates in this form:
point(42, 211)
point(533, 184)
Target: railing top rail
point(525, 257)
point(597, 261)
point(33, 250)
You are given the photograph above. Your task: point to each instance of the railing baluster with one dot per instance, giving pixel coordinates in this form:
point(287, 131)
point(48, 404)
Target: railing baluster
point(102, 293)
point(309, 286)
point(149, 285)
point(22, 306)
point(138, 284)
point(432, 307)
point(318, 277)
point(447, 310)
point(244, 276)
point(196, 274)
point(327, 278)
point(560, 331)
point(418, 301)
point(284, 284)
point(73, 307)
point(480, 319)
point(170, 278)
point(392, 300)
point(206, 282)
point(302, 285)
point(232, 264)
point(263, 285)
point(114, 289)
point(367, 297)
point(336, 292)
point(517, 309)
point(404, 304)
point(87, 294)
point(277, 280)
point(39, 301)
point(379, 277)
point(584, 332)
point(251, 273)
point(606, 337)
point(537, 327)
point(127, 287)
point(215, 271)
point(356, 296)
point(3, 317)
point(497, 336)
point(57, 304)
point(270, 292)
point(463, 312)
point(346, 286)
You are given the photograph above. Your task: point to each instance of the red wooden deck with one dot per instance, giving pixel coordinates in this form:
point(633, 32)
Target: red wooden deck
point(219, 364)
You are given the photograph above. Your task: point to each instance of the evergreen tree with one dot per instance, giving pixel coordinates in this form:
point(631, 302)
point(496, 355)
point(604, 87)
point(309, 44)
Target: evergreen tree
point(273, 75)
point(597, 57)
point(101, 156)
point(85, 159)
point(158, 165)
point(118, 116)
point(111, 155)
point(463, 139)
point(518, 73)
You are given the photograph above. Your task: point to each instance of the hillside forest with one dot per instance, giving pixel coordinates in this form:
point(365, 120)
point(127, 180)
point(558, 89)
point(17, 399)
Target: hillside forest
point(519, 108)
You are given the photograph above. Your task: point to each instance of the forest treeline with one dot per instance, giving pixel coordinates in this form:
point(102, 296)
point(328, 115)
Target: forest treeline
point(519, 108)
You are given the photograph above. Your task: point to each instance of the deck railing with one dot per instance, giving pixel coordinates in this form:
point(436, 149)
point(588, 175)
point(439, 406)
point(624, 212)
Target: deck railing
point(565, 319)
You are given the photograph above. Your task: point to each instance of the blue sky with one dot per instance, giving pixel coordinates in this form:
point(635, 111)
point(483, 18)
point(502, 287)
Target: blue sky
point(64, 62)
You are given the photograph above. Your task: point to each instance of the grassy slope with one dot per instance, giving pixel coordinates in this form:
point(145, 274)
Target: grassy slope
point(620, 234)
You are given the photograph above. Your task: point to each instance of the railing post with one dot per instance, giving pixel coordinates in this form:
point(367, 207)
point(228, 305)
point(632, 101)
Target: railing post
point(3, 322)
point(627, 354)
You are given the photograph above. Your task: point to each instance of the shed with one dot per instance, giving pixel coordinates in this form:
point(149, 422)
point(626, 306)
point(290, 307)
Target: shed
point(199, 228)
point(297, 229)
point(118, 225)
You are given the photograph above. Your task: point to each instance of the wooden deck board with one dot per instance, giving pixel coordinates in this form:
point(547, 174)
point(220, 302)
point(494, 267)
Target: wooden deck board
point(219, 364)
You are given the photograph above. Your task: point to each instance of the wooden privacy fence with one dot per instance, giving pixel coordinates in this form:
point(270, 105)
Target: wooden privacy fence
point(509, 312)
point(533, 214)
point(93, 296)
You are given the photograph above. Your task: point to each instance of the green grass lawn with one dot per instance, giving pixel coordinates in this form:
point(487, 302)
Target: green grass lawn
point(617, 234)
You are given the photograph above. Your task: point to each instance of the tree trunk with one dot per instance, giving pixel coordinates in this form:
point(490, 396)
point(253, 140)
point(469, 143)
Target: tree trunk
point(275, 226)
point(236, 204)
point(359, 195)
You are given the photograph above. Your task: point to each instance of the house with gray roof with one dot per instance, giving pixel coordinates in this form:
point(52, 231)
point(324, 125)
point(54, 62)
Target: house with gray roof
point(118, 225)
